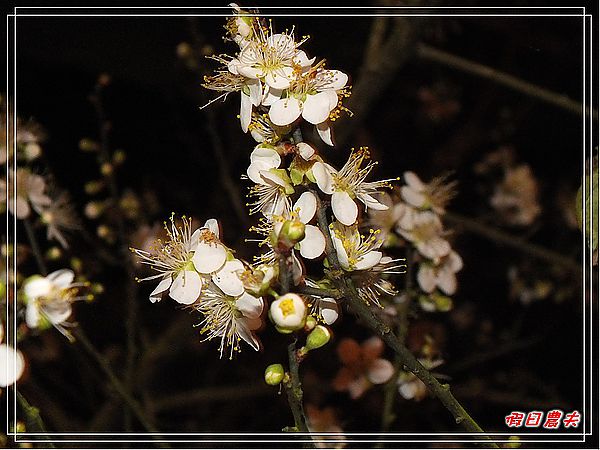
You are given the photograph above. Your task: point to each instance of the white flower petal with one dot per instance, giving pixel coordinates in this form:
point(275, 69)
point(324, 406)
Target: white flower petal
point(372, 202)
point(324, 131)
point(245, 111)
point(250, 306)
point(255, 169)
point(369, 260)
point(323, 177)
point(271, 95)
point(32, 314)
point(426, 278)
point(61, 278)
point(277, 79)
point(186, 287)
point(209, 257)
point(284, 111)
point(164, 284)
point(380, 371)
point(413, 197)
point(338, 80)
point(57, 313)
point(413, 181)
point(255, 88)
point(316, 108)
point(249, 71)
point(213, 226)
point(446, 280)
point(37, 287)
point(306, 205)
point(329, 310)
point(302, 59)
point(344, 207)
point(266, 155)
point(228, 280)
point(12, 365)
point(313, 244)
point(341, 252)
point(305, 150)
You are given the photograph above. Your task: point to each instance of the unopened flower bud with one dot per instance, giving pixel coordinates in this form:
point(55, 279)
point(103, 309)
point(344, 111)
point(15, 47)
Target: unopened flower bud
point(292, 232)
point(274, 374)
point(310, 324)
point(88, 145)
point(317, 338)
point(288, 313)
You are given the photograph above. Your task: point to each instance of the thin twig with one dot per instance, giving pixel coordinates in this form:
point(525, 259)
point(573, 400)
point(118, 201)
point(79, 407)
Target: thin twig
point(294, 389)
point(358, 306)
point(517, 243)
point(428, 53)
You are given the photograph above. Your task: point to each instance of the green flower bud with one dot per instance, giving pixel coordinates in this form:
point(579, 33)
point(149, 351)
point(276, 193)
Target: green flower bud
point(310, 324)
point(274, 374)
point(292, 232)
point(317, 338)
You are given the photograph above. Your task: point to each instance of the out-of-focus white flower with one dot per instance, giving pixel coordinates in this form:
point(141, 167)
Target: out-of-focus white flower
point(425, 232)
point(442, 275)
point(288, 312)
point(516, 198)
point(12, 362)
point(59, 216)
point(230, 318)
point(49, 299)
point(433, 195)
point(349, 184)
point(385, 220)
point(324, 421)
point(371, 284)
point(31, 188)
point(410, 387)
point(240, 26)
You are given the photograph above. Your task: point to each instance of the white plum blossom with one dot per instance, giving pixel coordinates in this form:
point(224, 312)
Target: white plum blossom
point(433, 195)
point(12, 362)
point(442, 275)
point(288, 312)
point(230, 318)
point(355, 251)
point(349, 184)
point(184, 260)
point(31, 189)
point(324, 309)
point(49, 299)
point(425, 232)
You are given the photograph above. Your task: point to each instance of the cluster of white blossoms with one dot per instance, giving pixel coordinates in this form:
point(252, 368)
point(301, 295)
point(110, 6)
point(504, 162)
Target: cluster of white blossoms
point(277, 82)
point(416, 218)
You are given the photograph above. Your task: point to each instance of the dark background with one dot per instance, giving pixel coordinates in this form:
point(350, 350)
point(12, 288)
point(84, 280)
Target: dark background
point(153, 104)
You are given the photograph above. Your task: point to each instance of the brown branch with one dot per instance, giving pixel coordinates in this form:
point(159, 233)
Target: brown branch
point(428, 53)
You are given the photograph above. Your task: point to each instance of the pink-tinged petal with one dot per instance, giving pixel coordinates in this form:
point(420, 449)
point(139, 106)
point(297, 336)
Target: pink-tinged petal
point(284, 111)
point(380, 371)
point(61, 278)
point(349, 352)
point(12, 365)
point(37, 287)
point(306, 205)
point(245, 111)
point(408, 390)
point(227, 278)
point(344, 207)
point(413, 181)
point(324, 131)
point(413, 197)
point(316, 108)
point(323, 177)
point(313, 244)
point(329, 310)
point(455, 262)
point(447, 281)
point(372, 202)
point(369, 260)
point(305, 150)
point(372, 348)
point(186, 287)
point(209, 257)
point(250, 306)
point(426, 278)
point(341, 252)
point(358, 387)
point(266, 155)
point(213, 226)
point(164, 284)
point(255, 88)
